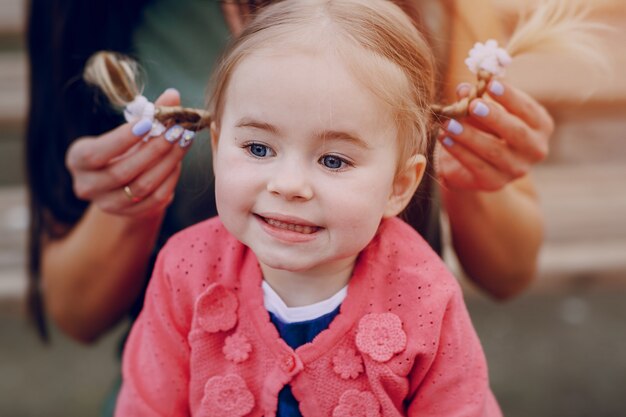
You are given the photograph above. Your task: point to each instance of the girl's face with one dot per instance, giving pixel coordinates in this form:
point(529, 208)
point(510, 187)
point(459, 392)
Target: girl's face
point(304, 161)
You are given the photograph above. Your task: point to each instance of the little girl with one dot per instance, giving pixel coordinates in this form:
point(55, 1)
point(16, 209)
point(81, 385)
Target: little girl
point(307, 296)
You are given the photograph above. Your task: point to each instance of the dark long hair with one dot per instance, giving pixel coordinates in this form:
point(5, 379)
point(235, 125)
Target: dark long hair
point(61, 36)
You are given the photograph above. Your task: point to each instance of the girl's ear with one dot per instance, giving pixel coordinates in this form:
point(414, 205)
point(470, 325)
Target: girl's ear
point(404, 185)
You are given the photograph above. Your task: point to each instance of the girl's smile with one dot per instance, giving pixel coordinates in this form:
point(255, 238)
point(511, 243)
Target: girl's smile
point(288, 229)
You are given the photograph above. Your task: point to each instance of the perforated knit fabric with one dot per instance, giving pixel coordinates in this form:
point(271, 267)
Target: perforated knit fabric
point(402, 344)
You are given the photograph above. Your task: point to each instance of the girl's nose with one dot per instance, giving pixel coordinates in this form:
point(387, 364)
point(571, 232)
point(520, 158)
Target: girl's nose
point(291, 182)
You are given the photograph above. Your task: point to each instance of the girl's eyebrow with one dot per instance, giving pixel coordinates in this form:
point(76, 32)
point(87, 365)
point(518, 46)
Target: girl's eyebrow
point(249, 122)
point(343, 136)
point(325, 135)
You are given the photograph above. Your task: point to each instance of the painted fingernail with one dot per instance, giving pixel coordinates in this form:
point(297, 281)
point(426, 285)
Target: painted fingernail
point(462, 88)
point(481, 109)
point(173, 133)
point(496, 87)
point(142, 127)
point(447, 142)
point(171, 90)
point(187, 138)
point(454, 127)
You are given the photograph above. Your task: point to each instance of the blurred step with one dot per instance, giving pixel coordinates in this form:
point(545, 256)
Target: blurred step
point(12, 17)
point(589, 135)
point(13, 229)
point(583, 203)
point(13, 84)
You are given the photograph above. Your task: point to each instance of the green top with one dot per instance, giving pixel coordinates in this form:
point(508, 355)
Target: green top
point(178, 44)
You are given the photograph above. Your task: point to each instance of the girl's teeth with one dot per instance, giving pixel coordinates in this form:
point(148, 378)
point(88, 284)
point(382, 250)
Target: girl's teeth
point(307, 230)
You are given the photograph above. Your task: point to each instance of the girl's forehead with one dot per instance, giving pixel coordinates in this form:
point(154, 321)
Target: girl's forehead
point(304, 90)
point(307, 75)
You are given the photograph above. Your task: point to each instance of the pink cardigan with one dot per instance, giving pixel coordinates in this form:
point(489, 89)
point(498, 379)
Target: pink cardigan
point(402, 344)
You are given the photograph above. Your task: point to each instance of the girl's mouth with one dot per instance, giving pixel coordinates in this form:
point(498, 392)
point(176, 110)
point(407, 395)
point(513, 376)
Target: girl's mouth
point(293, 227)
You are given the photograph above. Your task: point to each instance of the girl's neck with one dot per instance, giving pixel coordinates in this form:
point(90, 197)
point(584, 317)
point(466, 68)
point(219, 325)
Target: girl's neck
point(302, 288)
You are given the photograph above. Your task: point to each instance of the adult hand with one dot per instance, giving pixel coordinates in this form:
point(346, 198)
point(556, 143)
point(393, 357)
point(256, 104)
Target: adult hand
point(498, 142)
point(121, 174)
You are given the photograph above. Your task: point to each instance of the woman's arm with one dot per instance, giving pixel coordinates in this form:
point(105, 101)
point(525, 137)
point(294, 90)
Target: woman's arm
point(94, 274)
point(496, 236)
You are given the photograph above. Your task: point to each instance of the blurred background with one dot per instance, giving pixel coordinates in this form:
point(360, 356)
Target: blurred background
point(558, 350)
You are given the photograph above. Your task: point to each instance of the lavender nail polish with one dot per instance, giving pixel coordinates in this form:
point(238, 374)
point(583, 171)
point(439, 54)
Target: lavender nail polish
point(496, 88)
point(481, 109)
point(142, 127)
point(447, 142)
point(173, 133)
point(187, 138)
point(454, 127)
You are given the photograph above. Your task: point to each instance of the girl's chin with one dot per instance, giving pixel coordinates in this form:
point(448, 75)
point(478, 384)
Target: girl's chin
point(288, 265)
point(303, 266)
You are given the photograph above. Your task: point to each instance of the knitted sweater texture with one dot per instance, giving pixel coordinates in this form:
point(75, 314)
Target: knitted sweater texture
point(402, 344)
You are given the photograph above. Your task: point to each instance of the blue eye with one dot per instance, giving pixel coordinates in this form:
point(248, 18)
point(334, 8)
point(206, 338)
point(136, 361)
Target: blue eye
point(332, 162)
point(259, 150)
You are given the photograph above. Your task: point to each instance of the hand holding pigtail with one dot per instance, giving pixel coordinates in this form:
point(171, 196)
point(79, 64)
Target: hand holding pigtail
point(489, 143)
point(116, 171)
point(117, 77)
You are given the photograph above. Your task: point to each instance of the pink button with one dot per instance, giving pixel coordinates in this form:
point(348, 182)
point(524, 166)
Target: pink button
point(288, 363)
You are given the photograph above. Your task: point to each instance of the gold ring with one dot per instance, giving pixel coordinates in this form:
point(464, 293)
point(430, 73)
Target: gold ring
point(130, 195)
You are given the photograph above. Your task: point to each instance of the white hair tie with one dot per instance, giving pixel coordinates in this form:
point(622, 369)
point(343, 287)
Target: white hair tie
point(140, 108)
point(488, 57)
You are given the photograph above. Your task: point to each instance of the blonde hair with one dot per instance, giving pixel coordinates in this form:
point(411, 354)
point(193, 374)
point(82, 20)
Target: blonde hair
point(374, 38)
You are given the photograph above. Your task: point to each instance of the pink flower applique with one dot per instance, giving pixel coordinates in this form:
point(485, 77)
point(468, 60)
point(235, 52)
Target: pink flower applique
point(237, 348)
point(226, 396)
point(380, 336)
point(347, 363)
point(355, 403)
point(216, 309)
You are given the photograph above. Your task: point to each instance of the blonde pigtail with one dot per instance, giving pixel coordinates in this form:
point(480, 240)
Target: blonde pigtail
point(118, 78)
point(460, 108)
point(556, 25)
point(116, 75)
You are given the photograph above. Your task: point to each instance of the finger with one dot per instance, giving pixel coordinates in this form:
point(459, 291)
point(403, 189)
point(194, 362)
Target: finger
point(123, 171)
point(451, 173)
point(91, 153)
point(463, 90)
point(120, 203)
point(489, 148)
point(126, 170)
point(486, 177)
point(531, 144)
point(146, 183)
point(522, 105)
point(159, 199)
